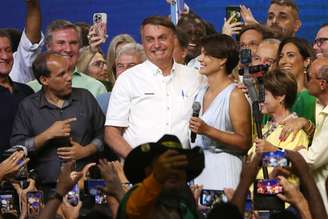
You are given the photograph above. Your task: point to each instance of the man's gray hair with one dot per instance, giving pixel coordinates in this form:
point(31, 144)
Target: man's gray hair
point(271, 41)
point(61, 25)
point(132, 49)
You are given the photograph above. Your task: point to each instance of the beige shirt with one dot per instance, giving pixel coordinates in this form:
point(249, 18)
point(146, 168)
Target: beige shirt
point(317, 155)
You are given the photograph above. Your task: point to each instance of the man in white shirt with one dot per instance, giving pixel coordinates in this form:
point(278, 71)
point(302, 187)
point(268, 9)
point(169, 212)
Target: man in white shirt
point(153, 98)
point(317, 155)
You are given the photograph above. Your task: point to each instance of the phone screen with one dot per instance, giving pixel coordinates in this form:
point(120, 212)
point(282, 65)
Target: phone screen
point(93, 188)
point(233, 10)
point(7, 204)
point(274, 159)
point(73, 196)
point(100, 23)
point(210, 197)
point(34, 203)
point(268, 187)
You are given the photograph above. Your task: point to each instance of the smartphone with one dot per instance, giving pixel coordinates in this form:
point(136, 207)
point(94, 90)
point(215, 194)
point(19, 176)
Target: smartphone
point(177, 8)
point(8, 204)
point(210, 197)
point(93, 188)
point(265, 198)
point(100, 23)
point(233, 10)
point(34, 203)
point(73, 196)
point(268, 187)
point(274, 159)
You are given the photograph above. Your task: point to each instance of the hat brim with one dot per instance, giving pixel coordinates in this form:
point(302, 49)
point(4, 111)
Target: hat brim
point(139, 158)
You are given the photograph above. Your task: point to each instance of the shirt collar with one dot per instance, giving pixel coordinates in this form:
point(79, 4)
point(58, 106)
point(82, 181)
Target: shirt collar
point(324, 110)
point(76, 72)
point(44, 102)
point(157, 71)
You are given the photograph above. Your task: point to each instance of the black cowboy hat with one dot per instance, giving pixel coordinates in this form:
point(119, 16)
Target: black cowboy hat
point(143, 155)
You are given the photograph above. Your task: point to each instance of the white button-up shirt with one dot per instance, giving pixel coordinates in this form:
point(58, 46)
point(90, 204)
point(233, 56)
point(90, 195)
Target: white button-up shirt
point(317, 155)
point(150, 105)
point(23, 59)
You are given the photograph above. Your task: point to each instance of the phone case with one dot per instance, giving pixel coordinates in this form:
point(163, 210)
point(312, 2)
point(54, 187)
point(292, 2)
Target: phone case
point(230, 11)
point(100, 23)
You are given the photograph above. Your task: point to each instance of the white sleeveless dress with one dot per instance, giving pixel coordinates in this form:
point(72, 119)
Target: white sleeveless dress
point(222, 165)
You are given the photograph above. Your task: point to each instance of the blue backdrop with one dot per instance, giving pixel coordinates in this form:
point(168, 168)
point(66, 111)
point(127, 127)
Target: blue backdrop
point(126, 16)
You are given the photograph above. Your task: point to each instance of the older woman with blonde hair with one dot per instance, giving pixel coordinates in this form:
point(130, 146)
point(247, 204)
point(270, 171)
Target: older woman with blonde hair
point(117, 42)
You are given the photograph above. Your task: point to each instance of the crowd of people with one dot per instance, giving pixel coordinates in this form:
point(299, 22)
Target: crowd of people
point(175, 127)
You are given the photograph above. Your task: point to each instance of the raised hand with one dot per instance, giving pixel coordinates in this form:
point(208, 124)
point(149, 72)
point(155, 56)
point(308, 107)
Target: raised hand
point(114, 184)
point(12, 164)
point(67, 178)
point(247, 15)
point(231, 28)
point(168, 164)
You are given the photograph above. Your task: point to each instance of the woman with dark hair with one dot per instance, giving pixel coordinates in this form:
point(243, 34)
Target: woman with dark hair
point(224, 123)
point(295, 56)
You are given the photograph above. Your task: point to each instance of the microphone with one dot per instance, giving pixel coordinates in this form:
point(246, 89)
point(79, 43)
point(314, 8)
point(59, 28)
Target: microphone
point(195, 113)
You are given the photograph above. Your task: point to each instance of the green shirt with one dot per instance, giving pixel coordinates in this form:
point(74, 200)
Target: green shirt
point(79, 80)
point(304, 106)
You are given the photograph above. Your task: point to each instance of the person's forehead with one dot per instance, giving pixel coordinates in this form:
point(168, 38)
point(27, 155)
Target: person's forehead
point(267, 49)
point(68, 33)
point(5, 42)
point(127, 58)
point(251, 34)
point(323, 32)
point(154, 30)
point(276, 9)
point(317, 64)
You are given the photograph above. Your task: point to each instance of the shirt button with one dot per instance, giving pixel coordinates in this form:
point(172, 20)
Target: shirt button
point(167, 95)
point(168, 108)
point(167, 124)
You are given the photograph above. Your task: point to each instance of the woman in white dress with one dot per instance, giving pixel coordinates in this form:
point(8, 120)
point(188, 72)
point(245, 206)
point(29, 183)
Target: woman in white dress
point(224, 124)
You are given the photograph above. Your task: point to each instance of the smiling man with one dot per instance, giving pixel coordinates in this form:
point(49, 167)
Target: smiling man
point(153, 98)
point(64, 38)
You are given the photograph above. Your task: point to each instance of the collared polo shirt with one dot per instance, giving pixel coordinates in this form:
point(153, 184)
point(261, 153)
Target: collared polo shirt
point(35, 115)
point(9, 107)
point(150, 105)
point(79, 80)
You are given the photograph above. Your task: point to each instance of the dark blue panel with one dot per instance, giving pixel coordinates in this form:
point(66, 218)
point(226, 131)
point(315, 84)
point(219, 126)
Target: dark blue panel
point(126, 16)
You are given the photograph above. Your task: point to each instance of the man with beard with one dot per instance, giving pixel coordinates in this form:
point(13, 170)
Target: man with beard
point(160, 172)
point(320, 44)
point(58, 123)
point(282, 17)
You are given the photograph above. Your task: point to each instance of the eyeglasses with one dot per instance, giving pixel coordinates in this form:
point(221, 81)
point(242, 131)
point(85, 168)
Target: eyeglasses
point(320, 41)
